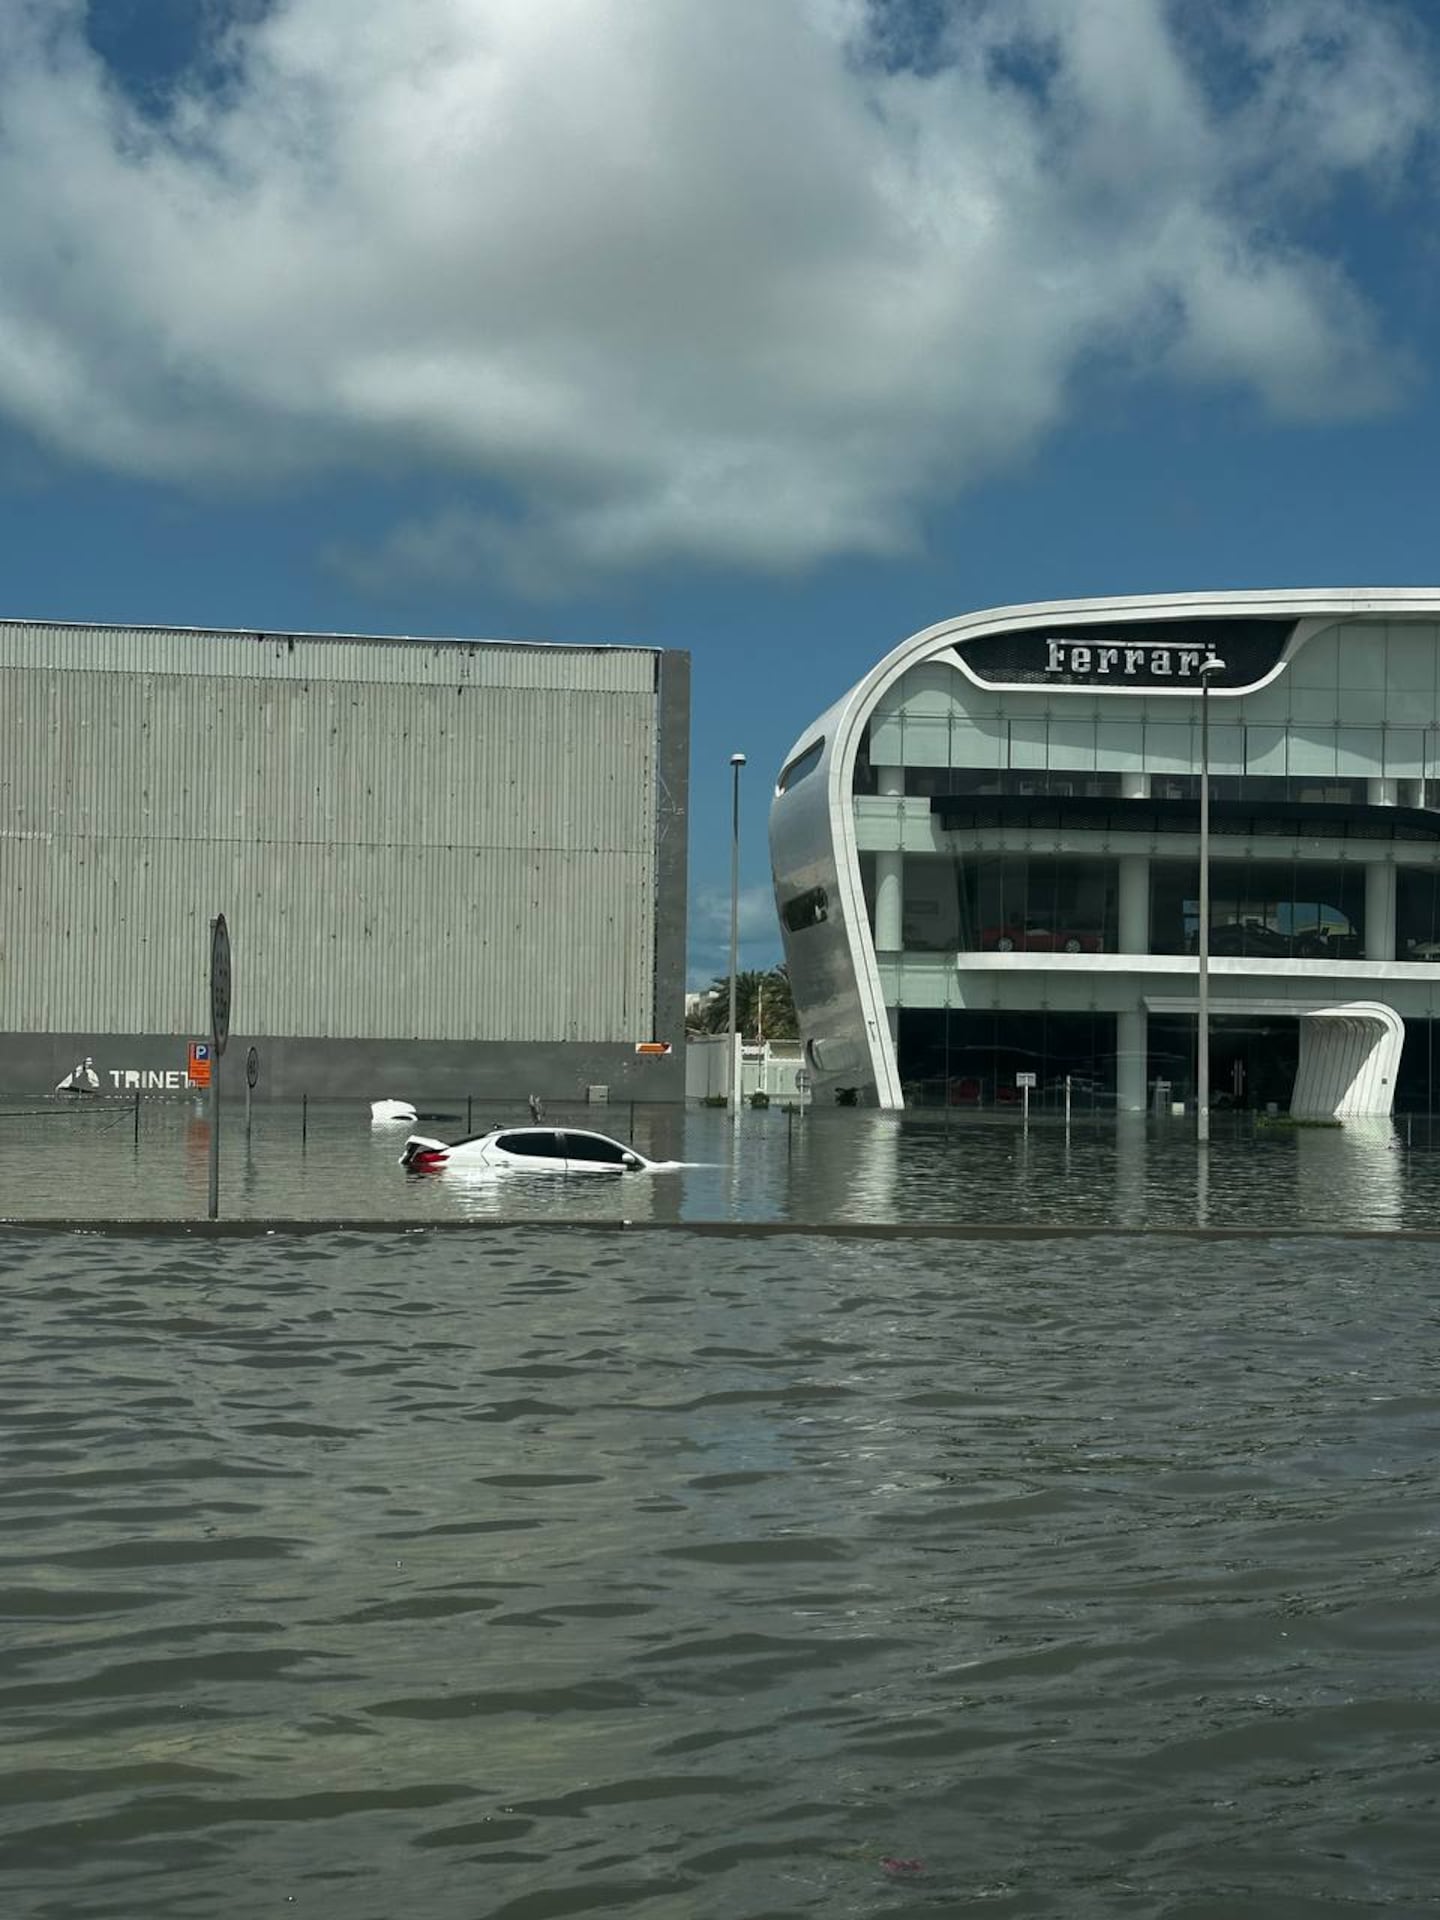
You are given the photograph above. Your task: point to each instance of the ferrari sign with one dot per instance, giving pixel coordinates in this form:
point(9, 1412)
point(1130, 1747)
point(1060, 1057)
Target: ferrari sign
point(1131, 656)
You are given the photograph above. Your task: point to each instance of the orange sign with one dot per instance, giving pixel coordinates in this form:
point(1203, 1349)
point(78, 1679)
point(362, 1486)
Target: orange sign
point(652, 1046)
point(197, 1063)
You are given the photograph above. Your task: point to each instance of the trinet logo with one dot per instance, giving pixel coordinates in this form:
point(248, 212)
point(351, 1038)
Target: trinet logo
point(1156, 660)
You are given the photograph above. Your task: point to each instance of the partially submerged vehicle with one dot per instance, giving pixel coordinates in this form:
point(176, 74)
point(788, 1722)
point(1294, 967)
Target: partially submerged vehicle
point(528, 1150)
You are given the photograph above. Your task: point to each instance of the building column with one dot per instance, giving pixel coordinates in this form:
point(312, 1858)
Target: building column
point(1379, 911)
point(1135, 786)
point(890, 874)
point(889, 902)
point(1132, 1060)
point(1412, 793)
point(1133, 916)
point(1382, 793)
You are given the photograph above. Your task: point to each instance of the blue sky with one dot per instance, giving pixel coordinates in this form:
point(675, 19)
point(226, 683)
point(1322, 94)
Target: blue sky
point(771, 332)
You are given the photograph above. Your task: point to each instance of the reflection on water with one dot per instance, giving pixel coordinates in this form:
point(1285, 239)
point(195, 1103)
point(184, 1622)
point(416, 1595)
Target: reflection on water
point(825, 1168)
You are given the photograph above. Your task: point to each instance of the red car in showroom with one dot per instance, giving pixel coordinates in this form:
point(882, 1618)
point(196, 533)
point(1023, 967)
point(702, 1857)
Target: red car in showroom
point(1034, 936)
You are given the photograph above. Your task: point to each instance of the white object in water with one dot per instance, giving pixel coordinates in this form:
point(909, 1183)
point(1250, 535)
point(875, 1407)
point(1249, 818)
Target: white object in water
point(529, 1150)
point(384, 1113)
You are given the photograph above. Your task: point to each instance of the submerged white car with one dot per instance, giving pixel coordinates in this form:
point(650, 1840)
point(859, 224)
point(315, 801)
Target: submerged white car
point(528, 1150)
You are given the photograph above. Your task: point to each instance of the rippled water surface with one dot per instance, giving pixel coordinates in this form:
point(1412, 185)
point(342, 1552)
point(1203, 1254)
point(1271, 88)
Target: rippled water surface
point(542, 1573)
point(831, 1167)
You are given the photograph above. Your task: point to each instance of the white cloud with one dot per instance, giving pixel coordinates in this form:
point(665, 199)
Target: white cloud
point(757, 928)
point(666, 280)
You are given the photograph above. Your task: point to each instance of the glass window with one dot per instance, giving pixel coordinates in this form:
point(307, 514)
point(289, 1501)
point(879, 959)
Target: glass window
point(928, 783)
point(1260, 909)
point(590, 1147)
point(971, 1058)
point(533, 1144)
point(1013, 903)
point(807, 909)
point(931, 905)
point(1417, 915)
point(866, 780)
point(795, 770)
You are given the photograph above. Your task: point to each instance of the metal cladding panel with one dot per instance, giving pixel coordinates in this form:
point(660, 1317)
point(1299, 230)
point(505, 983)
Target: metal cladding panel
point(402, 861)
point(362, 659)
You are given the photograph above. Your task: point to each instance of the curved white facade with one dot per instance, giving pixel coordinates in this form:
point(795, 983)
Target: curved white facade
point(985, 853)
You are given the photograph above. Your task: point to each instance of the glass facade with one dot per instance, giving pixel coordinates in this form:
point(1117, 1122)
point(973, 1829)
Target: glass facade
point(1417, 915)
point(954, 1058)
point(964, 1059)
point(1026, 903)
point(1265, 909)
point(1039, 820)
point(1009, 903)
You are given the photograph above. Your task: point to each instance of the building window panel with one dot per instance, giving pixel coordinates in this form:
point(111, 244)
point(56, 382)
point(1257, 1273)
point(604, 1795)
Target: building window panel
point(1265, 751)
point(795, 771)
point(1404, 753)
point(1410, 668)
point(1271, 910)
point(1071, 744)
point(927, 741)
point(977, 743)
point(1029, 742)
point(1417, 915)
point(1312, 753)
point(1169, 746)
point(1360, 658)
point(1360, 752)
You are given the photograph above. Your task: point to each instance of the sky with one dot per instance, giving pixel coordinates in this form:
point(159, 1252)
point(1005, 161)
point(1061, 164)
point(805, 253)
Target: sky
point(775, 330)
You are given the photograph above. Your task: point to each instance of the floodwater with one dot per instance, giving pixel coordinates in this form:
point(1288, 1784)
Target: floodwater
point(549, 1571)
point(829, 1168)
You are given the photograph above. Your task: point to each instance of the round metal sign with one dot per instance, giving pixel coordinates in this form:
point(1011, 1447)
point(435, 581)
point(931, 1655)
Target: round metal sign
point(219, 982)
point(252, 1067)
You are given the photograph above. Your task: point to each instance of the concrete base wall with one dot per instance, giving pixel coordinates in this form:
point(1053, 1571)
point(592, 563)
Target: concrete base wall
point(421, 1070)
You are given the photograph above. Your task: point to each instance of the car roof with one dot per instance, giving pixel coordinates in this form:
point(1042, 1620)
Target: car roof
point(583, 1133)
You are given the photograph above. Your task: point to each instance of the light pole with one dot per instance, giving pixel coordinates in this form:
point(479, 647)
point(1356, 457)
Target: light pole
point(1202, 941)
point(732, 1077)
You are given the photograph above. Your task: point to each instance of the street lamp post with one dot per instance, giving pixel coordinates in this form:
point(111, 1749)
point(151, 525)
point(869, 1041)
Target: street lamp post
point(1202, 943)
point(732, 1076)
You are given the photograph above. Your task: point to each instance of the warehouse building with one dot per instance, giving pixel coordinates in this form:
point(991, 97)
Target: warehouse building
point(987, 857)
point(447, 867)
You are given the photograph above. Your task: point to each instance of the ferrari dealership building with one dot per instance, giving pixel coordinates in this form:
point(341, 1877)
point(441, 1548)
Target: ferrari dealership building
point(987, 856)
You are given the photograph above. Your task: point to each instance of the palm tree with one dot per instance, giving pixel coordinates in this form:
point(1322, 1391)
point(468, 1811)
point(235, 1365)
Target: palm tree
point(764, 1008)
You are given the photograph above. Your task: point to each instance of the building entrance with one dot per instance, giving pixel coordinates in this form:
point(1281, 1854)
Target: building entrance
point(1253, 1058)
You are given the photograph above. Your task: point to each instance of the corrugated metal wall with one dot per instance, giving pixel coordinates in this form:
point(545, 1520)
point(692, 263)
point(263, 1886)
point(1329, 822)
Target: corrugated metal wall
point(408, 840)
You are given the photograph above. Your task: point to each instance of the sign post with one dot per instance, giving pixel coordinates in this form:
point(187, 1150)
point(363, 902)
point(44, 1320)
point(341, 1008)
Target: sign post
point(1025, 1081)
point(219, 1034)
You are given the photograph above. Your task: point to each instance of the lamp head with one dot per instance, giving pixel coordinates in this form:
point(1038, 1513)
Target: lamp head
point(1212, 665)
point(737, 759)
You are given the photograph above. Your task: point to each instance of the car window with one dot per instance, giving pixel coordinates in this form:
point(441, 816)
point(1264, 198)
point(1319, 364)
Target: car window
point(588, 1146)
point(536, 1145)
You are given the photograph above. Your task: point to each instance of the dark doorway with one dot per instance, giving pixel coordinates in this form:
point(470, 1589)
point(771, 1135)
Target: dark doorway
point(1253, 1058)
